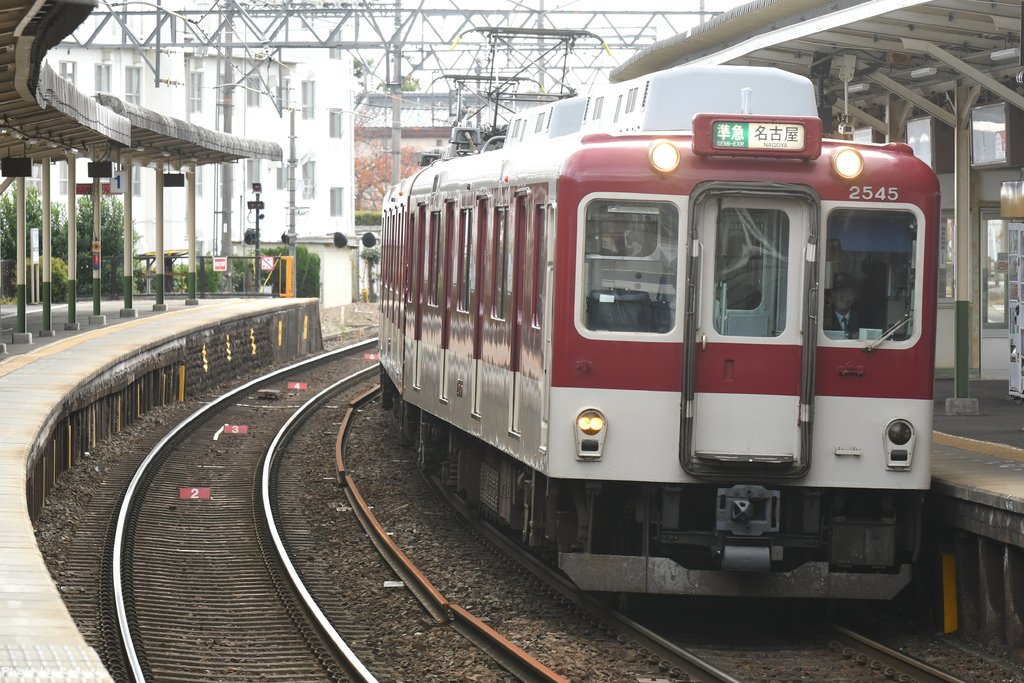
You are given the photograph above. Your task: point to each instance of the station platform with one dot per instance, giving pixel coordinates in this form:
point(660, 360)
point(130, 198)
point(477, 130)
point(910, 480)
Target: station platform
point(979, 459)
point(62, 392)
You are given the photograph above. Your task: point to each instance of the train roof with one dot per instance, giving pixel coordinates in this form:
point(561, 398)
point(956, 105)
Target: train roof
point(667, 101)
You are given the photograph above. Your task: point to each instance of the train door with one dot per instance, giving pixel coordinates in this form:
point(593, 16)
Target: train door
point(518, 280)
point(448, 278)
point(420, 253)
point(751, 333)
point(479, 303)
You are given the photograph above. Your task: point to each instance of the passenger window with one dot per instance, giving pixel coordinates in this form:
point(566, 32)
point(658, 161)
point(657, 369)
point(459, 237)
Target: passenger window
point(869, 278)
point(630, 262)
point(751, 269)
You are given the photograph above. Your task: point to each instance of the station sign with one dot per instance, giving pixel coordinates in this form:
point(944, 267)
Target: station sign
point(86, 188)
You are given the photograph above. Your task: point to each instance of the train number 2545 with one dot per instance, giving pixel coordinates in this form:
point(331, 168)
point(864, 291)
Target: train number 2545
point(866, 192)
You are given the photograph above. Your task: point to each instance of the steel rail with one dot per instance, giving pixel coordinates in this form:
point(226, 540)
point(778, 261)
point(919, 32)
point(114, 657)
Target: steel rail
point(136, 485)
point(516, 660)
point(893, 660)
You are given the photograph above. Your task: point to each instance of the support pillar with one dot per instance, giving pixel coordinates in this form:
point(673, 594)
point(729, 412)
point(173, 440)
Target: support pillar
point(160, 274)
point(47, 290)
point(72, 323)
point(97, 317)
point(190, 219)
point(961, 403)
point(21, 334)
point(129, 242)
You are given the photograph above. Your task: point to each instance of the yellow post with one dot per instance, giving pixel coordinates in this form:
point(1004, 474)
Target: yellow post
point(949, 613)
point(285, 286)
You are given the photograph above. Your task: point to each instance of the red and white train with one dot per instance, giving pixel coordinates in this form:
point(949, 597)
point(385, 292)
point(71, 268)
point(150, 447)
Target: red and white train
point(622, 335)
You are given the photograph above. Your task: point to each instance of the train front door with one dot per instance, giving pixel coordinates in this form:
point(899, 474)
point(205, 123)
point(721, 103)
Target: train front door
point(750, 341)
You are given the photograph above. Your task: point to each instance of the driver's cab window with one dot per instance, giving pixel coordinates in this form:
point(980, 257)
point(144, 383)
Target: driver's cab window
point(630, 258)
point(869, 277)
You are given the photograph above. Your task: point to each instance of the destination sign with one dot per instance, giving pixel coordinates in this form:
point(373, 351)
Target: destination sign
point(758, 135)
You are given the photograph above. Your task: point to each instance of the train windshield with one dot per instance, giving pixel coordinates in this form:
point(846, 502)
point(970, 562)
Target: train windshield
point(630, 262)
point(869, 278)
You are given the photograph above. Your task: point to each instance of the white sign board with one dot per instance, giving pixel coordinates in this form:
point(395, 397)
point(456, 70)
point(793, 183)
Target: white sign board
point(34, 239)
point(117, 183)
point(266, 262)
point(220, 264)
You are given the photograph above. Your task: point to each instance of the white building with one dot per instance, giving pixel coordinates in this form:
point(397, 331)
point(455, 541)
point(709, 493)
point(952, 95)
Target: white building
point(317, 85)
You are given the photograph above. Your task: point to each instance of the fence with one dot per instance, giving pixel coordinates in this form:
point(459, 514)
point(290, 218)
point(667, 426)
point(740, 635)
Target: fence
point(220, 276)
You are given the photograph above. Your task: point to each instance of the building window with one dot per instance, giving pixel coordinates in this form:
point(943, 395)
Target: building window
point(308, 99)
point(252, 171)
point(133, 84)
point(335, 123)
point(309, 180)
point(62, 186)
point(195, 92)
point(252, 91)
point(337, 201)
point(102, 78)
point(284, 93)
point(67, 71)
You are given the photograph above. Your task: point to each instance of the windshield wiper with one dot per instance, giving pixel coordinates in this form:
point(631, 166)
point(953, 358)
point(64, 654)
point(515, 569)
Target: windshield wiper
point(888, 333)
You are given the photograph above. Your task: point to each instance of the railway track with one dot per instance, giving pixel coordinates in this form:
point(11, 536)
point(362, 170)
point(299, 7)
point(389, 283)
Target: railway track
point(201, 588)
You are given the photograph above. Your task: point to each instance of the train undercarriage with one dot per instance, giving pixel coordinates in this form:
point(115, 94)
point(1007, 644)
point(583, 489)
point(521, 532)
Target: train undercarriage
point(738, 538)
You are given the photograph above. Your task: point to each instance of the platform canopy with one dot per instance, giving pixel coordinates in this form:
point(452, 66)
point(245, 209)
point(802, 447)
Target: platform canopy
point(918, 50)
point(179, 143)
point(43, 115)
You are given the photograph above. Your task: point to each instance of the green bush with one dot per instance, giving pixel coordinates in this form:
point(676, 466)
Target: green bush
point(368, 218)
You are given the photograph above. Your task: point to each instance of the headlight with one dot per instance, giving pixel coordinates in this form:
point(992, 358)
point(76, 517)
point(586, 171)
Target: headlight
point(591, 429)
point(900, 432)
point(664, 156)
point(898, 443)
point(590, 422)
point(847, 163)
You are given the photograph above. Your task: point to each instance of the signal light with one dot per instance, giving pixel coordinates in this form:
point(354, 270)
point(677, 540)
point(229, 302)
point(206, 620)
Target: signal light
point(340, 241)
point(250, 236)
point(368, 239)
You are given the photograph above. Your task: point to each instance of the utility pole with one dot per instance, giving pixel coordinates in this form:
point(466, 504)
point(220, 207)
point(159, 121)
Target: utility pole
point(396, 99)
point(292, 162)
point(226, 170)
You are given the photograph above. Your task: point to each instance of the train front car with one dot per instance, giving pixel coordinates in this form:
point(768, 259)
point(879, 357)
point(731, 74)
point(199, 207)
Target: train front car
point(742, 347)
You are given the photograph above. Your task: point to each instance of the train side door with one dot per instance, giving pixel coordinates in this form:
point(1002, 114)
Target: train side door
point(448, 278)
point(751, 334)
point(518, 281)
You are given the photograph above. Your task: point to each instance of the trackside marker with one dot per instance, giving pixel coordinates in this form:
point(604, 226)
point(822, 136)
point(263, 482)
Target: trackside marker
point(371, 356)
point(301, 386)
point(194, 492)
point(231, 429)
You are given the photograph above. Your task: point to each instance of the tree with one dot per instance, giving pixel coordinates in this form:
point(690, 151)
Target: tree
point(33, 219)
point(111, 241)
point(373, 171)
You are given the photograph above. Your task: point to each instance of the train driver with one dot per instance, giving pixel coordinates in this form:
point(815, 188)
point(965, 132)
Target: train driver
point(842, 316)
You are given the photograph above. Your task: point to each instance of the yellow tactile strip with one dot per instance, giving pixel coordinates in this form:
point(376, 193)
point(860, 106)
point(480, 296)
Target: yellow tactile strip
point(997, 450)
